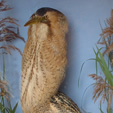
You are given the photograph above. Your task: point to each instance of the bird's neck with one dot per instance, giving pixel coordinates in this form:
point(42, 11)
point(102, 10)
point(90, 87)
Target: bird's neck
point(39, 32)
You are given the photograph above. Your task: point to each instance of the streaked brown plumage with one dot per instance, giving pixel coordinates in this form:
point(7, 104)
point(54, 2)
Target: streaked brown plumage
point(44, 60)
point(60, 103)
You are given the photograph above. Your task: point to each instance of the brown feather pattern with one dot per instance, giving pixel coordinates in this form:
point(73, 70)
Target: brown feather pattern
point(43, 63)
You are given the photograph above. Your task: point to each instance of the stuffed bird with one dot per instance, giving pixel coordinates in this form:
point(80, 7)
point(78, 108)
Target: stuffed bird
point(43, 64)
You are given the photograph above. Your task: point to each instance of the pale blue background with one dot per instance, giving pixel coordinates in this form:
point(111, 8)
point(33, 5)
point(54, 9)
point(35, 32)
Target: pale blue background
point(84, 31)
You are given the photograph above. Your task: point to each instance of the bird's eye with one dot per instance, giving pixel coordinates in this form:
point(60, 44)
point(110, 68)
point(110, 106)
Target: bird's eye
point(33, 16)
point(46, 16)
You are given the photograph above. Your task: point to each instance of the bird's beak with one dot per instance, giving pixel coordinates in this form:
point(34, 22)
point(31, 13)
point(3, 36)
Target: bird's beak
point(35, 20)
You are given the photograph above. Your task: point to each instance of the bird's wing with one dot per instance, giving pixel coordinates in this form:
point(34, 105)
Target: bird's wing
point(60, 103)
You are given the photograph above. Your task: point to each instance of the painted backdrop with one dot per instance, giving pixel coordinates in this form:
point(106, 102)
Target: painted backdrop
point(84, 32)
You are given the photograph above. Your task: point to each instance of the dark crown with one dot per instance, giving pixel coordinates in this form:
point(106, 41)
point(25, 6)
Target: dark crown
point(42, 11)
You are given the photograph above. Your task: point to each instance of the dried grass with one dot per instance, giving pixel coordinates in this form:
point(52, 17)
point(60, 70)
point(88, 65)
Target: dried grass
point(9, 30)
point(107, 32)
point(103, 86)
point(102, 89)
point(3, 7)
point(107, 37)
point(4, 89)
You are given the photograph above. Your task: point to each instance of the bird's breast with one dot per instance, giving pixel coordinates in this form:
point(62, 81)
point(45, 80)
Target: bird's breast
point(43, 68)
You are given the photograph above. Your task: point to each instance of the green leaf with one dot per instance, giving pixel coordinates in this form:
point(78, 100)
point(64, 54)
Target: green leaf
point(109, 111)
point(15, 107)
point(80, 73)
point(101, 109)
point(82, 69)
point(104, 67)
point(12, 110)
point(10, 107)
point(3, 104)
point(3, 68)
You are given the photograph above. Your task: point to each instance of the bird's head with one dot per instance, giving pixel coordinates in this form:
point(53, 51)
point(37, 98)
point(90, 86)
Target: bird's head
point(53, 18)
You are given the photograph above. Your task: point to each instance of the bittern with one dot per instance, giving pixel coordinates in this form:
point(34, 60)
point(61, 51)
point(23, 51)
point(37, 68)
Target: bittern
point(43, 63)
